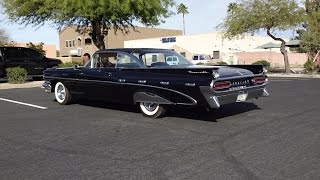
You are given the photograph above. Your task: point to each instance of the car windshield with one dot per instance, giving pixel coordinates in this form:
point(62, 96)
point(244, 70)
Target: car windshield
point(162, 58)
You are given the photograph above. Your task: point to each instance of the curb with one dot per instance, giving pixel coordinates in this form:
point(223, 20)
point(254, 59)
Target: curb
point(294, 75)
point(19, 86)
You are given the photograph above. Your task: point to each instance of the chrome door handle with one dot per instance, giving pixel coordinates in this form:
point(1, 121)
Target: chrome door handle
point(164, 83)
point(142, 81)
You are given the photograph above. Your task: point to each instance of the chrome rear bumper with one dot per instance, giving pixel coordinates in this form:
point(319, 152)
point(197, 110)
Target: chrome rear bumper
point(216, 99)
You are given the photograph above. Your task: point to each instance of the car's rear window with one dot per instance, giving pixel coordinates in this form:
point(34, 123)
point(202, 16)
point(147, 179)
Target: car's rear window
point(162, 58)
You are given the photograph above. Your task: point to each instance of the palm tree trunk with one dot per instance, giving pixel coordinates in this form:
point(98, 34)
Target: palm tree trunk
point(184, 25)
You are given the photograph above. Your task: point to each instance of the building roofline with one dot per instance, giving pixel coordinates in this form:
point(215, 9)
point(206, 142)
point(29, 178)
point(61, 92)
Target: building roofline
point(66, 27)
point(75, 27)
point(129, 50)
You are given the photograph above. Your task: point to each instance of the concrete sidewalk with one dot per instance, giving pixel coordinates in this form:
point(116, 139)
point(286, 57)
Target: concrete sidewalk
point(25, 85)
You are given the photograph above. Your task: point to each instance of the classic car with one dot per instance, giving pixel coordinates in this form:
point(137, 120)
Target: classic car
point(143, 77)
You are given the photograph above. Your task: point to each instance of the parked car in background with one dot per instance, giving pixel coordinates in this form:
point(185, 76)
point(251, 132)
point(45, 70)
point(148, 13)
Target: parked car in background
point(172, 60)
point(34, 62)
point(201, 58)
point(143, 77)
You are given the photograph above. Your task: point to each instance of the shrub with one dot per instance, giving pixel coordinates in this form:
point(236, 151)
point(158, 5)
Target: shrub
point(222, 63)
point(264, 63)
point(16, 75)
point(70, 64)
point(200, 63)
point(310, 66)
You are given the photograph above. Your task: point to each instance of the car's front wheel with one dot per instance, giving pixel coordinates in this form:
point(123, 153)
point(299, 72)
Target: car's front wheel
point(62, 94)
point(152, 110)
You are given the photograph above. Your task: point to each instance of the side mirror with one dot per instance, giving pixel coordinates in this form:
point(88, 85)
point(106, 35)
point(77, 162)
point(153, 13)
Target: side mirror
point(76, 67)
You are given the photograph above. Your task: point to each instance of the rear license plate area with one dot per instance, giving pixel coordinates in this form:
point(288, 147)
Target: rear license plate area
point(242, 96)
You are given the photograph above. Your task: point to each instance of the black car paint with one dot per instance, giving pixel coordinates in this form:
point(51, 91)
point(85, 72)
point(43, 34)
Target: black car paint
point(164, 85)
point(34, 64)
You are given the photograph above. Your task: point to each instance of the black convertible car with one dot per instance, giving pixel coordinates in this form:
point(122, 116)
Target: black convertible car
point(155, 79)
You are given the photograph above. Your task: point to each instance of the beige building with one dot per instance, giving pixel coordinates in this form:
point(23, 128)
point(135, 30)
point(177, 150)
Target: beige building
point(49, 48)
point(238, 51)
point(209, 43)
point(73, 43)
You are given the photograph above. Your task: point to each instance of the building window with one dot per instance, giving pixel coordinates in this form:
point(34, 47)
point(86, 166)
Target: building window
point(87, 41)
point(67, 44)
point(216, 55)
point(73, 44)
point(79, 41)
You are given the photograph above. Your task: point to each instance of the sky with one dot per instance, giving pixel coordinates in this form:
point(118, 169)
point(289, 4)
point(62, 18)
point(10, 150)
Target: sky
point(203, 17)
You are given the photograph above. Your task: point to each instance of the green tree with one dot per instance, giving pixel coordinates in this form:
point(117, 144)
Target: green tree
point(252, 16)
point(96, 17)
point(183, 9)
point(310, 34)
point(37, 47)
point(4, 37)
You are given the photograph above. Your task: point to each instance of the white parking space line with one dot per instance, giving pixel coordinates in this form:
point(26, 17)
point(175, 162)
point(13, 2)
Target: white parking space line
point(22, 103)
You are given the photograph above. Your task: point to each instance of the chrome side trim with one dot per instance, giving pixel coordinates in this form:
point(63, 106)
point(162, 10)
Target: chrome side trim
point(194, 102)
point(190, 84)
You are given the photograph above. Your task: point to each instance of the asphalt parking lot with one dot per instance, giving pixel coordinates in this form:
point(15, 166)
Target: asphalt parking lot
point(270, 138)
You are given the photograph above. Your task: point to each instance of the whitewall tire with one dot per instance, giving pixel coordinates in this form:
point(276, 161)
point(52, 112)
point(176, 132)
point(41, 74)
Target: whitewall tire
point(62, 94)
point(152, 110)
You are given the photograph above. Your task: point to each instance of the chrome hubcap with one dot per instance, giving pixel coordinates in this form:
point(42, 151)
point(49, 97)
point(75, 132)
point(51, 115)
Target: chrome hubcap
point(150, 106)
point(61, 92)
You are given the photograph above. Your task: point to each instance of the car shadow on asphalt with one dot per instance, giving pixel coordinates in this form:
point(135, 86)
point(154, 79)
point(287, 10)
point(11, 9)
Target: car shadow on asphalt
point(182, 111)
point(214, 115)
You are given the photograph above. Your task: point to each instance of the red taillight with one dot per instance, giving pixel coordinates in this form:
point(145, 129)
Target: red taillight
point(221, 85)
point(259, 80)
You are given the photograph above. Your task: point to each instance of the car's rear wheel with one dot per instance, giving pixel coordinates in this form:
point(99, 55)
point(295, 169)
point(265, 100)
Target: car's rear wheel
point(152, 110)
point(62, 94)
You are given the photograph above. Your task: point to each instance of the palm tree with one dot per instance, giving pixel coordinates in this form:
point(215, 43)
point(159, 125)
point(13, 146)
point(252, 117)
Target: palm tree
point(183, 9)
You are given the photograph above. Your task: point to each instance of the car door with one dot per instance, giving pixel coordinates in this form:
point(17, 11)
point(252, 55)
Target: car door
point(129, 77)
point(97, 81)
